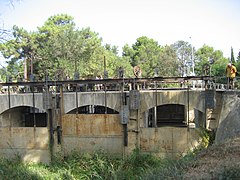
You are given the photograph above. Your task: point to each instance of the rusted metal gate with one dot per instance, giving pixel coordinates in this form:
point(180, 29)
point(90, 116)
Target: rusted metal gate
point(92, 132)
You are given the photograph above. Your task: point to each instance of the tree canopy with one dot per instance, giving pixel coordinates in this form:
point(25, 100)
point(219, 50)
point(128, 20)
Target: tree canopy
point(60, 50)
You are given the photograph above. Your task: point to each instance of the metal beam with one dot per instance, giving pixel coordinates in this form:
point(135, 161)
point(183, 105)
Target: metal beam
point(111, 81)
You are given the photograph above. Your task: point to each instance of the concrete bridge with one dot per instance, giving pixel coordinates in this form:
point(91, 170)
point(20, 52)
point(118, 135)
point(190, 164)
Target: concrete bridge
point(157, 120)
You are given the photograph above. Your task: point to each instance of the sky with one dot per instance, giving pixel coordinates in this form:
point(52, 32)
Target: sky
point(215, 23)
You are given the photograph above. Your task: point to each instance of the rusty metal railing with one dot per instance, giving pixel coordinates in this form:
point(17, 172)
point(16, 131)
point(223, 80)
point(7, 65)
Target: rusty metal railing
point(108, 84)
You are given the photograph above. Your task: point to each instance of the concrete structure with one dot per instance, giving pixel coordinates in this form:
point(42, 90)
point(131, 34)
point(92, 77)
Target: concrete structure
point(36, 125)
point(229, 121)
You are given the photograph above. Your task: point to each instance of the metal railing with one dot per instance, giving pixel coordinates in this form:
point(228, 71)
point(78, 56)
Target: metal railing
point(125, 84)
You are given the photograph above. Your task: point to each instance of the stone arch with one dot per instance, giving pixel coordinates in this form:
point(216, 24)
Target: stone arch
point(71, 102)
point(17, 100)
point(152, 99)
point(93, 109)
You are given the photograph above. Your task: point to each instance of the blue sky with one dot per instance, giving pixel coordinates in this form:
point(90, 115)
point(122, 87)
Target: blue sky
point(119, 22)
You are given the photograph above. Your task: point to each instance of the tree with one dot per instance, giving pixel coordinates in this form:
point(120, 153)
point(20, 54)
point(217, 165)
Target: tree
point(184, 52)
point(168, 62)
point(207, 55)
point(21, 47)
point(144, 53)
point(232, 57)
point(58, 50)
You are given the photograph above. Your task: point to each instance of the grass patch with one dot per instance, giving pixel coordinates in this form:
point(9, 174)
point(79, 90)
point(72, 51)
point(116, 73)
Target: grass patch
point(100, 165)
point(82, 166)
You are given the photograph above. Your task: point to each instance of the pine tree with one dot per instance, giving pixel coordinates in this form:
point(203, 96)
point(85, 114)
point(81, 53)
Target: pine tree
point(232, 56)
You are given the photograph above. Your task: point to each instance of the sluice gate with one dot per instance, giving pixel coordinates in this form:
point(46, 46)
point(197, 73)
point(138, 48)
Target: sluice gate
point(116, 116)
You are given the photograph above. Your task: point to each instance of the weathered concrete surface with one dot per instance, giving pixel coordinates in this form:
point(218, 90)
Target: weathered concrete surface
point(160, 97)
point(31, 144)
point(229, 126)
point(90, 132)
point(149, 99)
point(91, 98)
point(20, 100)
point(169, 141)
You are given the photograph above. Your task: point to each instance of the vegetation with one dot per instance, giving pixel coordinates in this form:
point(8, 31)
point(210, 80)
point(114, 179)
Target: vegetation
point(82, 166)
point(60, 50)
point(209, 161)
point(215, 162)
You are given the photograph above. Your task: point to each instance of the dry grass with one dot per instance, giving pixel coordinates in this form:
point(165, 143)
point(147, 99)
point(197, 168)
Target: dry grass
point(220, 161)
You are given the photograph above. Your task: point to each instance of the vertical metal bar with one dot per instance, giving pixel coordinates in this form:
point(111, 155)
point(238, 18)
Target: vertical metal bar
point(76, 98)
point(155, 108)
point(34, 115)
point(105, 88)
point(105, 98)
point(205, 117)
point(9, 98)
point(104, 63)
point(51, 131)
point(125, 131)
point(59, 127)
point(62, 105)
point(188, 104)
point(9, 106)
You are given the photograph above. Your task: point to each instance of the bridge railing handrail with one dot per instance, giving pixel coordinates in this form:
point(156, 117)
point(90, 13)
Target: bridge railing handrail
point(108, 81)
point(114, 84)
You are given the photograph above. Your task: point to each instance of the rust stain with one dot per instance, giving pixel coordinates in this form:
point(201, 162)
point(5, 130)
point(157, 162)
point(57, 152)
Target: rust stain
point(92, 125)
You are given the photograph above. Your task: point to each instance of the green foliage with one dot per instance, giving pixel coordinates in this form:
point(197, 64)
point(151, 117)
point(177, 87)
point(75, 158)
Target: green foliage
point(232, 60)
point(59, 49)
point(101, 165)
point(15, 169)
point(184, 53)
point(153, 59)
point(170, 169)
point(82, 166)
point(207, 137)
point(22, 46)
point(136, 165)
point(169, 63)
point(144, 53)
point(207, 55)
point(56, 24)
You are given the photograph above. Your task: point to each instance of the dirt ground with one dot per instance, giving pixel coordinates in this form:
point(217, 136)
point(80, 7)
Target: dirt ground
point(220, 161)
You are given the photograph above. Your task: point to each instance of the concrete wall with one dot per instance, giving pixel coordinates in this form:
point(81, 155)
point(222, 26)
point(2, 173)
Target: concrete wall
point(229, 122)
point(12, 118)
point(170, 142)
point(91, 132)
point(31, 144)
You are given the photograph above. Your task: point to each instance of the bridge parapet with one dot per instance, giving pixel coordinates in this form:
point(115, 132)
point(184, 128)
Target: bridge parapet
point(110, 99)
point(15, 100)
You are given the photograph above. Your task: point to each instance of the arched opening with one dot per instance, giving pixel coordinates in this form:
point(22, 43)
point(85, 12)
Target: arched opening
point(23, 116)
point(93, 109)
point(166, 115)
